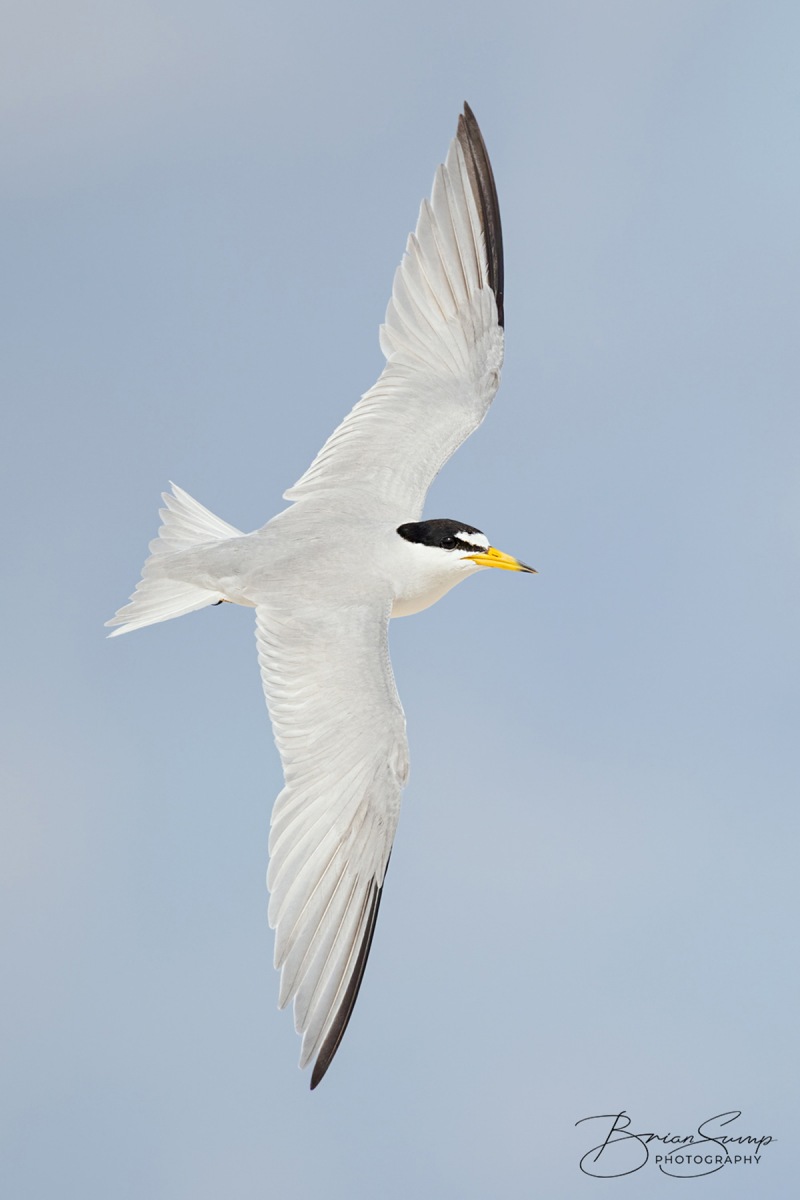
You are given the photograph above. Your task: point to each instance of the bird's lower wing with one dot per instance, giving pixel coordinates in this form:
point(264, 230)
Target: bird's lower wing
point(443, 340)
point(340, 731)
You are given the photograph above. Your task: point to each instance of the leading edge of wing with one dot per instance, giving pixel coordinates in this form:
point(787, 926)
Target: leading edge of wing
point(345, 1011)
point(485, 192)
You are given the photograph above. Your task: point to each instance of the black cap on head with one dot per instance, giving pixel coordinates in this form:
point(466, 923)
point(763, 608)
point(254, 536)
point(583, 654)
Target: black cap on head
point(449, 535)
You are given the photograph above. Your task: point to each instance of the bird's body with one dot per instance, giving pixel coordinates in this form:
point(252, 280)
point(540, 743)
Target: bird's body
point(327, 574)
point(289, 562)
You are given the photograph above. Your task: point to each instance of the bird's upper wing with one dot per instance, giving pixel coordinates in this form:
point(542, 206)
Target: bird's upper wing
point(443, 340)
point(340, 731)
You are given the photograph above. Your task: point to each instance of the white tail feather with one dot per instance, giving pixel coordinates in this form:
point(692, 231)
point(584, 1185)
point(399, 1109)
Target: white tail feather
point(185, 524)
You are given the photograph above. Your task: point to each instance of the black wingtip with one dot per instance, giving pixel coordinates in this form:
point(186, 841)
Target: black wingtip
point(345, 1011)
point(485, 191)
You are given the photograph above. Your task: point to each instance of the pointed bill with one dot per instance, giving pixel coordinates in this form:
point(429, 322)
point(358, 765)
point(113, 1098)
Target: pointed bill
point(496, 558)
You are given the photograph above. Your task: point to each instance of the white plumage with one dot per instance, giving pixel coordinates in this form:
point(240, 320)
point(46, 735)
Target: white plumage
point(325, 576)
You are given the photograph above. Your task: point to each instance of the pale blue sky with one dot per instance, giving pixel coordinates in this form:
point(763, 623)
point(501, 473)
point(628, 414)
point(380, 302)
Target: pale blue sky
point(593, 895)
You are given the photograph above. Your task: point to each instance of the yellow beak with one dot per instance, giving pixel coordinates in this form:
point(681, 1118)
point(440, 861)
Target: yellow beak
point(496, 558)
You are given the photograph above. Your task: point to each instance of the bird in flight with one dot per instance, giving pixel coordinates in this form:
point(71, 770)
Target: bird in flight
point(327, 573)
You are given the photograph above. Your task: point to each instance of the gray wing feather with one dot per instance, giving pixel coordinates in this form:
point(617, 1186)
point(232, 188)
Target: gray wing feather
point(340, 731)
point(443, 340)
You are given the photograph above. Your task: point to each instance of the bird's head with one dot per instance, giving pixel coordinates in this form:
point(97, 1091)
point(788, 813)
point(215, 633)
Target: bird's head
point(458, 547)
point(442, 553)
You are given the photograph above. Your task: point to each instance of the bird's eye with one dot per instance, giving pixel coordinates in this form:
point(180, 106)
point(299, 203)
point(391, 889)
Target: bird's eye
point(449, 543)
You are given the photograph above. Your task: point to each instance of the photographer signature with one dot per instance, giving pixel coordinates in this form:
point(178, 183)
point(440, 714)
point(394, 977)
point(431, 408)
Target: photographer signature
point(622, 1152)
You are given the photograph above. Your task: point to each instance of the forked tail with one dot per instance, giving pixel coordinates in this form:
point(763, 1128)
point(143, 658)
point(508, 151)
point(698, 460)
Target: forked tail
point(157, 598)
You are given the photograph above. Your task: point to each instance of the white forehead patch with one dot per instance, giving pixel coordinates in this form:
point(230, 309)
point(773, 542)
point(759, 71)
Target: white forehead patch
point(478, 540)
